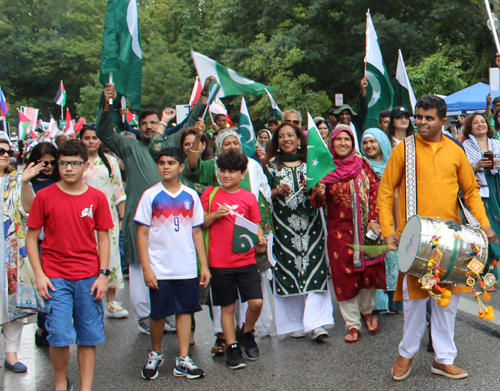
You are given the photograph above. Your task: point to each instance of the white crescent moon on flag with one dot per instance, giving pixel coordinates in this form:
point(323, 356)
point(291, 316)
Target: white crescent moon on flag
point(250, 130)
point(311, 146)
point(376, 88)
point(248, 238)
point(133, 27)
point(237, 78)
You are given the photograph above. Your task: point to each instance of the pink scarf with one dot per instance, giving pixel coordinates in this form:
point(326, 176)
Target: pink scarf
point(348, 168)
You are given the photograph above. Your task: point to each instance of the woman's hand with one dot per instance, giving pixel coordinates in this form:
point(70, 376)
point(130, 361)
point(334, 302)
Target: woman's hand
point(31, 171)
point(375, 227)
point(320, 188)
point(260, 152)
point(483, 163)
point(282, 190)
point(199, 127)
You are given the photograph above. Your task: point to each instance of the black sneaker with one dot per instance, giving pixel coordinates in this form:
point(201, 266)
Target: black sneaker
point(185, 367)
point(239, 335)
point(250, 346)
point(234, 359)
point(150, 370)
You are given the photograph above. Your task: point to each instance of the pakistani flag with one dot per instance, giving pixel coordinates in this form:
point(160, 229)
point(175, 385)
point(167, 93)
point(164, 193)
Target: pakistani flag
point(403, 95)
point(276, 110)
point(379, 91)
point(121, 50)
point(60, 98)
point(244, 236)
point(232, 82)
point(24, 124)
point(319, 159)
point(245, 128)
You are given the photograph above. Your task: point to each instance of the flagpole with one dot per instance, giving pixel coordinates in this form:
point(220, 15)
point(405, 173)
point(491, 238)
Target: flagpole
point(124, 106)
point(205, 113)
point(493, 31)
point(110, 82)
point(366, 36)
point(62, 112)
point(211, 118)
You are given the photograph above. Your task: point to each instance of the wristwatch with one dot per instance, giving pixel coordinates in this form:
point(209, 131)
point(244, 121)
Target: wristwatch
point(106, 272)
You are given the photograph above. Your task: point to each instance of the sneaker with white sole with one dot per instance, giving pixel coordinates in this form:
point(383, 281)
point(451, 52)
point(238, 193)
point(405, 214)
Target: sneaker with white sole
point(143, 326)
point(170, 323)
point(114, 309)
point(150, 370)
point(185, 367)
point(319, 333)
point(298, 334)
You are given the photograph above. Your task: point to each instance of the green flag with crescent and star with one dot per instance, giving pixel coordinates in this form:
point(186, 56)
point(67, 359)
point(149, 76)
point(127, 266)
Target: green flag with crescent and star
point(319, 159)
point(379, 91)
point(245, 235)
point(245, 128)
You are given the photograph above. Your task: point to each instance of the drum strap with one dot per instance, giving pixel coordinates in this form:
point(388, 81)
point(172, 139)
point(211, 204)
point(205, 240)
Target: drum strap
point(411, 184)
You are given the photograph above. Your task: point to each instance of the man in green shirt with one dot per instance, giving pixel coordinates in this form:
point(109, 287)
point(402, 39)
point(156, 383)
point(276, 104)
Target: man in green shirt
point(142, 173)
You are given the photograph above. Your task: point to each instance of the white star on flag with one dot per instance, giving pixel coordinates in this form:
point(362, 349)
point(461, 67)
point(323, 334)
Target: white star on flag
point(315, 162)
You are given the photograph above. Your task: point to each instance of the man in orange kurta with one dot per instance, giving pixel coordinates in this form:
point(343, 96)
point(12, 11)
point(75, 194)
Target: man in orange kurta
point(442, 167)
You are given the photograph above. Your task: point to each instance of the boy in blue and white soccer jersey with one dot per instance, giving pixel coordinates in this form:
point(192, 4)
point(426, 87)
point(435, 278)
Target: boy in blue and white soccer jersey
point(169, 218)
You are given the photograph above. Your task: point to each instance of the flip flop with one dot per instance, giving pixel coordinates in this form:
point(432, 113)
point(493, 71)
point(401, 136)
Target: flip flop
point(352, 332)
point(368, 319)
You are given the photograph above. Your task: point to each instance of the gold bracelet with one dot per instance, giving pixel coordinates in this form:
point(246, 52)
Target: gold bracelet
point(190, 150)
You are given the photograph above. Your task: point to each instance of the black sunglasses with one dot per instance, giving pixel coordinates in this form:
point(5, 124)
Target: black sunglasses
point(4, 151)
point(47, 162)
point(89, 126)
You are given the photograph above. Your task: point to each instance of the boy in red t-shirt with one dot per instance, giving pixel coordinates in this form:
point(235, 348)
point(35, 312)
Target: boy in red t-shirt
point(72, 276)
point(233, 272)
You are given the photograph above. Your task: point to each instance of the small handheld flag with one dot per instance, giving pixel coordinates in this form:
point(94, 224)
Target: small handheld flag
point(319, 159)
point(4, 107)
point(24, 123)
point(213, 89)
point(274, 107)
point(60, 98)
point(245, 235)
point(70, 130)
point(196, 93)
point(245, 128)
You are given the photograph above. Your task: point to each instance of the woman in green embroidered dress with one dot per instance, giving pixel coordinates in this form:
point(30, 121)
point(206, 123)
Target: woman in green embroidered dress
point(302, 299)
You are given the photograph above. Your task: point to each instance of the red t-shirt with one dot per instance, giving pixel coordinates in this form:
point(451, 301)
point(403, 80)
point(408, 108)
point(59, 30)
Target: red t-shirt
point(220, 239)
point(69, 249)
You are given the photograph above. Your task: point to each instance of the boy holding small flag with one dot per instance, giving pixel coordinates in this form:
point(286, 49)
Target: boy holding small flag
point(230, 209)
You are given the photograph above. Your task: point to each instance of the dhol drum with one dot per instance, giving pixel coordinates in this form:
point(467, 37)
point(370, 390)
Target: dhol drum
point(455, 249)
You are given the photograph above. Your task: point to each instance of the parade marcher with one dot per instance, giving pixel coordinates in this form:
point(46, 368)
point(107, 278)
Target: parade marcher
point(323, 129)
point(442, 167)
point(142, 172)
point(384, 117)
point(263, 137)
point(292, 117)
point(60, 137)
point(478, 135)
point(103, 173)
point(302, 299)
point(272, 124)
point(15, 269)
point(169, 237)
point(351, 195)
point(399, 125)
point(235, 276)
point(206, 173)
point(377, 149)
point(73, 279)
point(332, 120)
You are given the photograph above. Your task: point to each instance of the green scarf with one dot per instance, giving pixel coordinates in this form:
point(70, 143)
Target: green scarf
point(292, 158)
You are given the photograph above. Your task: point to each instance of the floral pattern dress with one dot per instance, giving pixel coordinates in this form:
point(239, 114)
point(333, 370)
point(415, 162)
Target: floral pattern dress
point(299, 240)
point(98, 177)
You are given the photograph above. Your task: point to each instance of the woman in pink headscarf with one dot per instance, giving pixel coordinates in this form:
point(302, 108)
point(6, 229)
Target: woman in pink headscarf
point(351, 196)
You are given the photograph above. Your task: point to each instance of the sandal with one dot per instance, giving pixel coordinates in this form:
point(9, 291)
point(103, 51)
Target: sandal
point(220, 346)
point(368, 319)
point(352, 332)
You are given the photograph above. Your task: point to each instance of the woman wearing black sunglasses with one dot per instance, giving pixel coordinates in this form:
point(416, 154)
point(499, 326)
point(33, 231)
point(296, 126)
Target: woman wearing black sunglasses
point(45, 153)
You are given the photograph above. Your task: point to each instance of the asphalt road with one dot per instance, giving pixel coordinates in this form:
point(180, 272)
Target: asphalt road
point(285, 363)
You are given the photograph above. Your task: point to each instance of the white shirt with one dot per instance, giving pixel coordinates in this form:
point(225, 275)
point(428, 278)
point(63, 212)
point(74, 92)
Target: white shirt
point(171, 219)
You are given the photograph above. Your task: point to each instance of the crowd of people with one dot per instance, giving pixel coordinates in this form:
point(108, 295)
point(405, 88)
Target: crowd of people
point(196, 222)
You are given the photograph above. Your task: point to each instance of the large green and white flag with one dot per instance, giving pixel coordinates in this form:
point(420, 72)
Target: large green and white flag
point(319, 159)
point(245, 128)
point(232, 82)
point(245, 235)
point(277, 113)
point(379, 91)
point(403, 94)
point(121, 50)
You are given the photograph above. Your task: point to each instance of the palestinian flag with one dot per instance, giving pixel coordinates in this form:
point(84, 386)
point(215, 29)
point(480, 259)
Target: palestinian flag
point(70, 130)
point(24, 123)
point(60, 98)
point(245, 235)
point(232, 82)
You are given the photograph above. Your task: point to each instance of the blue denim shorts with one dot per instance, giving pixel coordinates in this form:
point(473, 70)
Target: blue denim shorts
point(73, 315)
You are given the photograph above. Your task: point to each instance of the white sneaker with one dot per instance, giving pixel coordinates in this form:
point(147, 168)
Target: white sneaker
point(170, 324)
point(114, 309)
point(298, 334)
point(320, 333)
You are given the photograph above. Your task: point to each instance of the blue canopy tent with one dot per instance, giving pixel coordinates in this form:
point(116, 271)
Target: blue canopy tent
point(471, 98)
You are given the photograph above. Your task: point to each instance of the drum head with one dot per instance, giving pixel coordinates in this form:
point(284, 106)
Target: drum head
point(409, 243)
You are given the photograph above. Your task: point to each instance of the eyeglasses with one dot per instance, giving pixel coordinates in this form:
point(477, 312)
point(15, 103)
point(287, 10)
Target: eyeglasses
point(152, 123)
point(75, 164)
point(295, 121)
point(4, 151)
point(47, 162)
